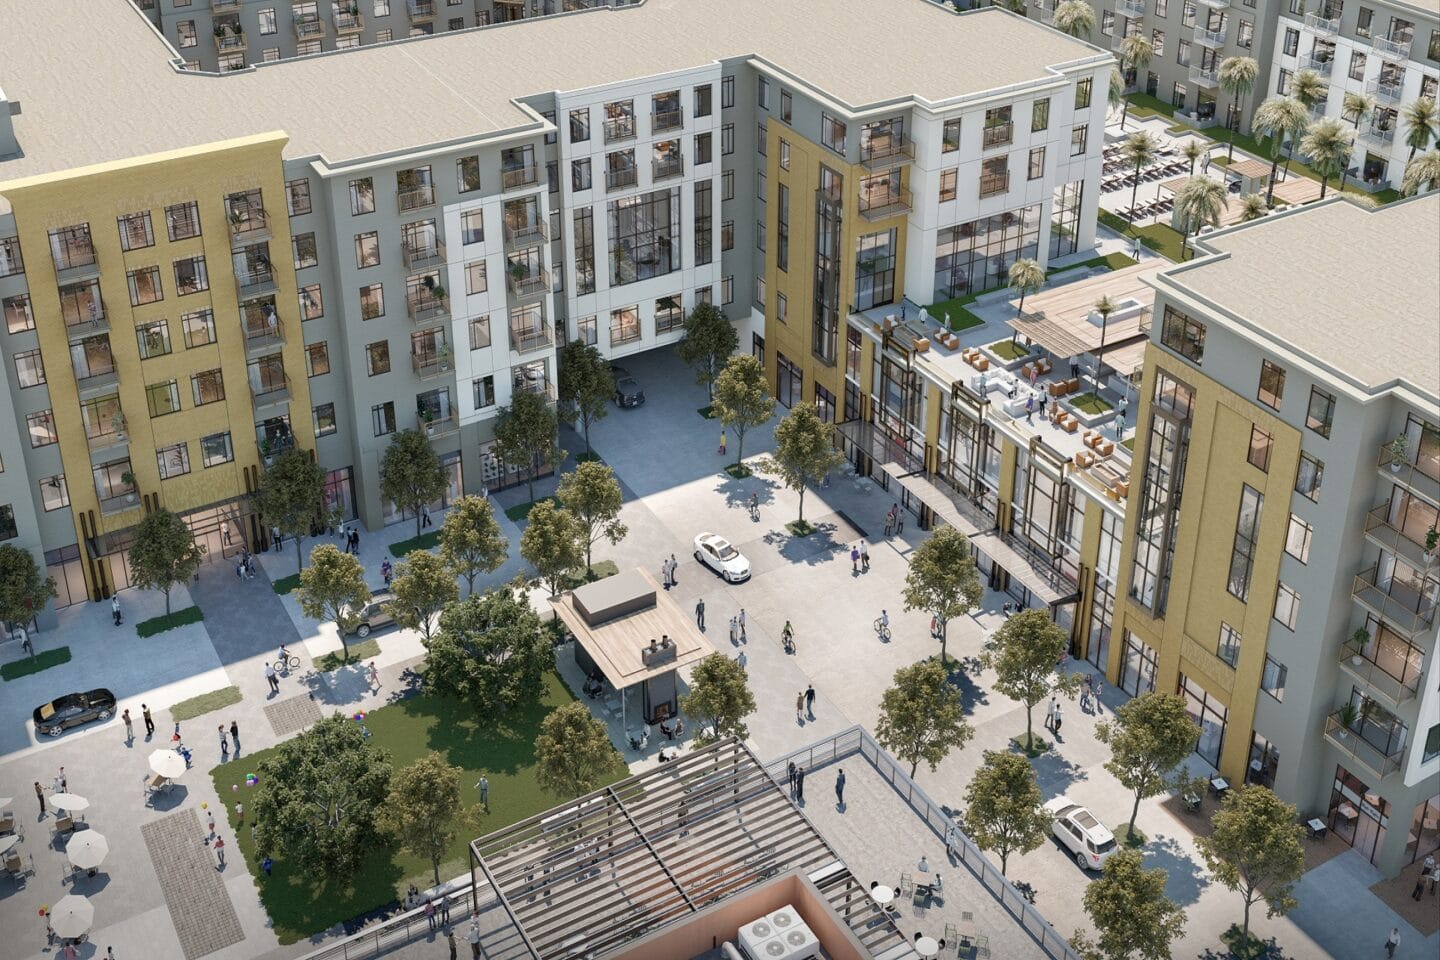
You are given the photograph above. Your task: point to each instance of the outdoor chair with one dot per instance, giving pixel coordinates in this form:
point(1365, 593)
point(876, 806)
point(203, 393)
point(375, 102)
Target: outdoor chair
point(65, 824)
point(907, 884)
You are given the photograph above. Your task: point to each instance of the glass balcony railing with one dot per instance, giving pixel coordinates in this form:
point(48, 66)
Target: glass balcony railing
point(1322, 25)
point(528, 283)
point(1421, 475)
point(262, 331)
point(249, 226)
point(424, 256)
point(1391, 49)
point(348, 22)
point(879, 204)
point(663, 120)
point(1379, 530)
point(1355, 660)
point(413, 198)
point(1373, 744)
point(529, 339)
point(621, 178)
point(619, 128)
point(421, 9)
point(270, 391)
point(424, 307)
point(1407, 611)
point(878, 153)
point(523, 233)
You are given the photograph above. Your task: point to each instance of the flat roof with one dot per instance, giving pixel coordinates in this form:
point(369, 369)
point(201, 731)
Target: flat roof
point(1353, 289)
point(1059, 318)
point(95, 82)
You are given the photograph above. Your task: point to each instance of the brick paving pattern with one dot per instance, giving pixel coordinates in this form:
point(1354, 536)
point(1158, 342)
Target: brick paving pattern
point(200, 907)
point(293, 715)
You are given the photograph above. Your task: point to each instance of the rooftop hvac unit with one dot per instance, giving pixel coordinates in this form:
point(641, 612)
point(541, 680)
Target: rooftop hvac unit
point(794, 935)
point(753, 938)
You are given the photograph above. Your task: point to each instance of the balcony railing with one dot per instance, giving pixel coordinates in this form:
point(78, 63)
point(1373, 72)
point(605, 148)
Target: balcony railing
point(421, 9)
point(1405, 610)
point(1319, 24)
point(427, 365)
point(120, 503)
point(229, 42)
point(1381, 90)
point(89, 327)
point(308, 28)
point(220, 6)
point(1355, 662)
point(667, 168)
point(998, 135)
point(1381, 760)
point(1216, 4)
point(530, 284)
point(424, 308)
point(260, 333)
point(255, 283)
point(878, 204)
point(619, 128)
point(520, 235)
point(249, 226)
point(879, 153)
point(1132, 8)
point(992, 184)
point(1380, 137)
point(1204, 77)
point(76, 263)
point(620, 179)
point(1320, 65)
point(1411, 475)
point(543, 387)
point(273, 392)
point(529, 339)
point(1379, 530)
point(348, 22)
point(1391, 49)
point(1211, 38)
point(517, 177)
point(666, 120)
point(102, 445)
point(91, 383)
point(437, 426)
point(424, 257)
point(415, 197)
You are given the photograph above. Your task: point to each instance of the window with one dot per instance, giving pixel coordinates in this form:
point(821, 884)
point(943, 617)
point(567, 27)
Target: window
point(1040, 115)
point(1245, 34)
point(727, 185)
point(1272, 681)
point(480, 332)
point(382, 418)
point(760, 184)
point(1287, 605)
point(1363, 21)
point(185, 30)
point(414, 188)
point(669, 315)
point(1260, 445)
point(950, 136)
point(372, 301)
point(1107, 22)
point(760, 291)
point(207, 386)
point(1082, 93)
point(1037, 164)
point(1272, 384)
point(1357, 65)
point(644, 236)
point(1157, 42)
point(267, 22)
point(29, 369)
point(304, 250)
point(485, 389)
point(624, 325)
point(215, 449)
point(11, 261)
point(1187, 14)
point(994, 176)
point(832, 133)
point(727, 235)
point(999, 130)
point(18, 315)
point(192, 277)
point(727, 92)
point(198, 328)
point(1297, 539)
point(947, 184)
point(580, 174)
point(1247, 535)
point(297, 196)
point(367, 249)
point(472, 226)
point(317, 359)
point(377, 358)
point(54, 493)
point(727, 139)
point(41, 427)
point(1183, 335)
point(727, 291)
point(1309, 476)
point(1229, 645)
point(312, 304)
point(787, 105)
point(782, 308)
point(1292, 42)
point(703, 96)
point(1182, 54)
point(153, 339)
point(467, 174)
point(162, 399)
point(763, 98)
point(182, 221)
point(136, 231)
point(144, 286)
point(1079, 139)
point(323, 417)
point(782, 227)
point(762, 139)
point(362, 196)
point(1321, 413)
point(475, 278)
point(173, 461)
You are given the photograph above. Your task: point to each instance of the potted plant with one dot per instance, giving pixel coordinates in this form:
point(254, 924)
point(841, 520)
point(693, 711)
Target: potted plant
point(1398, 448)
point(237, 28)
point(128, 479)
point(1432, 540)
point(438, 292)
point(445, 354)
point(1348, 716)
point(1359, 638)
point(517, 271)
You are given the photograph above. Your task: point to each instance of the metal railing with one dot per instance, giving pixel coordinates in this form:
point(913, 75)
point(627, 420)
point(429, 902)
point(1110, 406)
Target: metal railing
point(1383, 761)
point(666, 120)
point(528, 284)
point(1408, 474)
point(1408, 615)
point(420, 9)
point(415, 197)
point(1356, 662)
point(998, 134)
point(393, 932)
point(889, 151)
point(1201, 75)
point(530, 338)
point(1213, 38)
point(106, 441)
point(254, 283)
point(519, 235)
point(348, 22)
point(423, 257)
point(268, 394)
point(437, 426)
point(879, 204)
point(427, 365)
point(120, 503)
point(1132, 8)
point(1319, 24)
point(993, 183)
point(620, 179)
point(1216, 4)
point(1391, 49)
point(246, 224)
point(423, 307)
point(309, 27)
point(619, 128)
point(1319, 65)
point(222, 5)
point(1379, 530)
point(227, 41)
point(1385, 91)
point(519, 176)
point(672, 166)
point(1377, 135)
point(260, 332)
point(88, 381)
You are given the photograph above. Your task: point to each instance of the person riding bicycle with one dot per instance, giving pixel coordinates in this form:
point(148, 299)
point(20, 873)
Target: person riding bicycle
point(284, 656)
point(884, 622)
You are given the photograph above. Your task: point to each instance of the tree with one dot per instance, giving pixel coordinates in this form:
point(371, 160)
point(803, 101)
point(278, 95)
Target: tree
point(1075, 18)
point(411, 474)
point(573, 754)
point(1421, 174)
point(719, 700)
point(164, 553)
point(1252, 207)
point(291, 497)
point(804, 450)
point(1115, 89)
point(525, 434)
point(489, 652)
point(709, 338)
point(942, 580)
point(586, 384)
point(470, 540)
point(1026, 276)
point(921, 716)
point(1192, 151)
point(741, 399)
point(1003, 811)
point(552, 543)
point(317, 799)
point(1200, 200)
point(1139, 150)
point(23, 593)
point(1027, 648)
point(1105, 307)
point(1150, 736)
point(424, 585)
point(333, 588)
point(1131, 914)
point(1357, 105)
point(592, 496)
point(1136, 52)
point(1327, 143)
point(1256, 850)
point(1237, 78)
point(1422, 124)
point(420, 808)
point(1311, 90)
point(1279, 118)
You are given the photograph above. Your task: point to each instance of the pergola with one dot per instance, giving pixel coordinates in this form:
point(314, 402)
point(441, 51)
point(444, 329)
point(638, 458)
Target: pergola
point(1060, 319)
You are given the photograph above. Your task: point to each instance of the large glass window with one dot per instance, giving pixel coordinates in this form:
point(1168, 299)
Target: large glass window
point(704, 222)
point(1261, 443)
point(975, 256)
point(1321, 413)
point(1209, 713)
point(1162, 484)
point(832, 133)
point(1247, 536)
point(1228, 648)
point(1272, 384)
point(624, 325)
point(1183, 335)
point(1137, 670)
point(825, 327)
point(584, 229)
point(644, 236)
point(875, 269)
point(1309, 476)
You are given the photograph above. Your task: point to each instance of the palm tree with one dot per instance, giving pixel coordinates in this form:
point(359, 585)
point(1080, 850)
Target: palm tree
point(1252, 207)
point(1192, 151)
point(1026, 277)
point(1278, 118)
point(1237, 76)
point(1074, 17)
point(1104, 306)
point(1309, 88)
point(1421, 174)
point(1140, 150)
point(1136, 50)
point(1116, 92)
point(1357, 106)
point(1327, 143)
point(1200, 201)
point(1422, 121)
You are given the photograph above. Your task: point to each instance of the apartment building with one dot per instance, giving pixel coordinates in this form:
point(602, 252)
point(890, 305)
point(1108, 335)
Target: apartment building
point(278, 256)
point(1278, 568)
point(1389, 51)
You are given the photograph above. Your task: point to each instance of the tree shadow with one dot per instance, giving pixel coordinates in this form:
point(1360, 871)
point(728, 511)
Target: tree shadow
point(1054, 773)
point(972, 695)
point(1186, 878)
point(736, 491)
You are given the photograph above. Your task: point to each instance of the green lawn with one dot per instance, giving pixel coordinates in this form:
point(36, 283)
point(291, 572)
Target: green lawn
point(1261, 148)
point(285, 584)
point(43, 660)
point(954, 308)
point(1144, 105)
point(1129, 444)
point(1111, 261)
point(169, 621)
point(205, 703)
point(299, 907)
point(1162, 238)
point(800, 528)
point(521, 511)
point(363, 650)
point(1007, 350)
point(1091, 404)
point(598, 571)
point(1038, 745)
point(423, 542)
point(739, 471)
point(707, 412)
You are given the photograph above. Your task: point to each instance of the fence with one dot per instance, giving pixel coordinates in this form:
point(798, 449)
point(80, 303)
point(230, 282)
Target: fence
point(397, 931)
point(856, 740)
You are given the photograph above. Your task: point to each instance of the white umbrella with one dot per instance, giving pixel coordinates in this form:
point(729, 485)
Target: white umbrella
point(7, 842)
point(167, 763)
point(87, 849)
point(72, 916)
point(69, 802)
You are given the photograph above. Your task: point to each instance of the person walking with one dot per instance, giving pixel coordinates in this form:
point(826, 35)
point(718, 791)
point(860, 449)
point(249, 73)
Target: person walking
point(840, 788)
point(791, 769)
point(430, 914)
point(372, 675)
point(674, 569)
point(40, 795)
point(741, 619)
point(864, 557)
point(722, 441)
point(952, 839)
point(210, 824)
point(700, 613)
point(129, 727)
point(473, 935)
point(115, 610)
point(275, 539)
point(425, 520)
point(665, 573)
point(149, 721)
point(800, 706)
point(1050, 714)
point(1055, 722)
point(810, 700)
point(800, 784)
point(239, 814)
point(855, 559)
point(450, 939)
point(787, 635)
point(1434, 873)
point(64, 783)
point(224, 744)
point(271, 679)
point(219, 853)
point(483, 785)
point(387, 573)
point(267, 865)
point(1419, 890)
point(235, 735)
point(1392, 941)
point(742, 660)
point(225, 532)
point(734, 632)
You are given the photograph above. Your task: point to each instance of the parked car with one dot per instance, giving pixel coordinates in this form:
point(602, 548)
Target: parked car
point(1081, 833)
point(715, 552)
point(73, 709)
point(375, 615)
point(628, 392)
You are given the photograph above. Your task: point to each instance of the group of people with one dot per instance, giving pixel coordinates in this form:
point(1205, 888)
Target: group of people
point(667, 571)
point(894, 519)
point(245, 566)
point(860, 558)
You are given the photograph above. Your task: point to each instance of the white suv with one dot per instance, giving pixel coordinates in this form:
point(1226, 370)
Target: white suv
point(1087, 838)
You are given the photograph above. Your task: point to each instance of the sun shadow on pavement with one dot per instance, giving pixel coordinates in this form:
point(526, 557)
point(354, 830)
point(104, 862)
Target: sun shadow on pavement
point(1186, 877)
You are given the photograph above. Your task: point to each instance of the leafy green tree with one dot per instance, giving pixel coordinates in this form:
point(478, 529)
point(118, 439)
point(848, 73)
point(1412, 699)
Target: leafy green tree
point(291, 497)
point(1237, 77)
point(471, 541)
point(1136, 52)
point(318, 799)
point(586, 384)
point(1026, 276)
point(553, 543)
point(164, 553)
point(1421, 174)
point(1003, 807)
point(719, 700)
point(424, 585)
point(573, 754)
point(411, 475)
point(804, 450)
point(420, 809)
point(741, 399)
point(1201, 200)
point(1150, 736)
point(1256, 849)
point(921, 716)
point(525, 435)
point(1327, 143)
point(1279, 118)
point(489, 652)
point(1131, 914)
point(23, 592)
point(1139, 150)
point(592, 495)
point(1075, 18)
point(709, 338)
point(1027, 649)
point(1422, 124)
point(942, 580)
point(333, 588)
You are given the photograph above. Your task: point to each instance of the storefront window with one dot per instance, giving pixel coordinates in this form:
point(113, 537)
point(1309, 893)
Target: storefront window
point(1209, 713)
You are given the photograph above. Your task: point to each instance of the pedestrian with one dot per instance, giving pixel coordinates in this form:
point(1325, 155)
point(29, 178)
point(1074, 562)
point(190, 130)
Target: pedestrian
point(700, 613)
point(1433, 872)
point(373, 676)
point(1030, 409)
point(239, 814)
point(483, 785)
point(741, 619)
point(1055, 723)
point(235, 735)
point(267, 865)
point(149, 721)
point(840, 788)
point(1074, 369)
point(450, 939)
point(1419, 890)
point(791, 770)
point(474, 937)
point(276, 538)
point(209, 824)
point(225, 532)
point(224, 745)
point(810, 700)
point(800, 706)
point(899, 519)
point(665, 573)
point(129, 727)
point(734, 632)
point(864, 557)
point(722, 441)
point(855, 559)
point(674, 569)
point(1050, 713)
point(445, 910)
point(115, 610)
point(271, 679)
point(1392, 941)
point(40, 795)
point(26, 646)
point(355, 541)
point(425, 520)
point(742, 660)
point(63, 782)
point(924, 865)
point(800, 784)
point(430, 914)
point(220, 852)
point(387, 573)
point(952, 839)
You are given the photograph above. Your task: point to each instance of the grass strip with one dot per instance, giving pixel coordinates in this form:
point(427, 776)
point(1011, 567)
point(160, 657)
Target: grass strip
point(423, 542)
point(169, 621)
point(337, 659)
point(205, 703)
point(286, 584)
point(800, 528)
point(707, 412)
point(43, 660)
point(599, 571)
point(739, 471)
point(1091, 404)
point(1006, 350)
point(521, 511)
point(953, 311)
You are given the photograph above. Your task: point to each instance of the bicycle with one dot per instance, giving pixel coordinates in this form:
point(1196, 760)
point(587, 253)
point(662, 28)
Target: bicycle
point(287, 663)
point(882, 629)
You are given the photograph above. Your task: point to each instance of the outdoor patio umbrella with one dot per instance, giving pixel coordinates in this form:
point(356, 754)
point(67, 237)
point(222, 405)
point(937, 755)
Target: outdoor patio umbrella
point(167, 763)
point(7, 842)
point(69, 802)
point(87, 849)
point(72, 916)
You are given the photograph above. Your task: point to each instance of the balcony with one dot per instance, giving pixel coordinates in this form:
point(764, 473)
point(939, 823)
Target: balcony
point(620, 179)
point(348, 22)
point(1354, 662)
point(425, 307)
point(879, 204)
point(119, 503)
point(666, 120)
point(525, 340)
point(1415, 476)
point(528, 284)
point(104, 447)
point(248, 226)
point(437, 426)
point(1320, 65)
point(309, 28)
point(1321, 25)
point(272, 447)
point(998, 135)
point(1389, 92)
point(1381, 760)
point(994, 184)
point(1209, 38)
point(1381, 137)
point(427, 366)
point(619, 128)
point(228, 41)
point(1391, 49)
point(76, 264)
point(221, 6)
point(263, 334)
point(544, 388)
point(521, 235)
point(94, 326)
point(1216, 4)
point(1380, 531)
point(420, 9)
point(416, 197)
point(1406, 611)
point(94, 382)
point(255, 283)
point(884, 153)
point(1204, 77)
point(418, 257)
point(673, 166)
point(1131, 8)
point(516, 177)
point(273, 392)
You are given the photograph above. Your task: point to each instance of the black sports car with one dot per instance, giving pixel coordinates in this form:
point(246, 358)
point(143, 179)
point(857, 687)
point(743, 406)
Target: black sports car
point(628, 392)
point(74, 709)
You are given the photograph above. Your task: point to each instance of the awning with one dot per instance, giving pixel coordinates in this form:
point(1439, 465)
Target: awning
point(950, 507)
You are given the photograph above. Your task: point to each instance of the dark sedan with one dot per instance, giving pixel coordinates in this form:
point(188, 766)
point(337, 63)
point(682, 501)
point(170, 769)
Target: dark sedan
point(74, 709)
point(628, 392)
